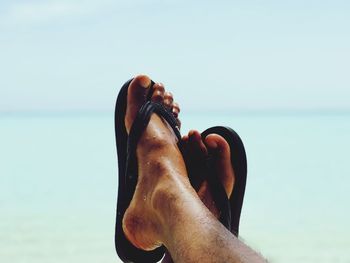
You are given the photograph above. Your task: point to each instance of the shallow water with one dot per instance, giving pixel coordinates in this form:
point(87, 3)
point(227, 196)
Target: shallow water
point(58, 181)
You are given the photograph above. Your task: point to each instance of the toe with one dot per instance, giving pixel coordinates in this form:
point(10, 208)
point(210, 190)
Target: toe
point(158, 93)
point(220, 149)
point(137, 93)
point(185, 138)
point(168, 99)
point(196, 143)
point(184, 147)
point(175, 109)
point(195, 157)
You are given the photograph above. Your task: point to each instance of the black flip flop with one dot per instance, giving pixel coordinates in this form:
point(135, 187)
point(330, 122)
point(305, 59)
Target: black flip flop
point(230, 209)
point(128, 172)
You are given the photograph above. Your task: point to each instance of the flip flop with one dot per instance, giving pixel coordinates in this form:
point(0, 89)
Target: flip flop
point(230, 208)
point(128, 172)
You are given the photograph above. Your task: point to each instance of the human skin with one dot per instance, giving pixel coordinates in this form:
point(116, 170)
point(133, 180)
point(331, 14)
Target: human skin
point(165, 209)
point(194, 146)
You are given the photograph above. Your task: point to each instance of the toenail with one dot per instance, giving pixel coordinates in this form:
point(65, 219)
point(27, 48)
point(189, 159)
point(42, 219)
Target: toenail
point(145, 82)
point(176, 106)
point(157, 95)
point(168, 95)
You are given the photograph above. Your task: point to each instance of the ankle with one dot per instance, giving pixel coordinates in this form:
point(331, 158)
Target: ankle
point(164, 198)
point(170, 196)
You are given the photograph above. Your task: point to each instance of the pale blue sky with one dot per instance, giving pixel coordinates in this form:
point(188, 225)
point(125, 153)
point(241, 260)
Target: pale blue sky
point(235, 55)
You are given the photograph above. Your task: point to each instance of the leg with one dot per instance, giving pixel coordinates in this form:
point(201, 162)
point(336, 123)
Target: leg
point(196, 152)
point(165, 208)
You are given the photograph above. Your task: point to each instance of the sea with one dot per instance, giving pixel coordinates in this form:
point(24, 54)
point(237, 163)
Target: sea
point(58, 185)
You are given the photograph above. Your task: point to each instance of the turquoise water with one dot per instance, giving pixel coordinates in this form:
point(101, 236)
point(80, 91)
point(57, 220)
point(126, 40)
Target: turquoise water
point(58, 181)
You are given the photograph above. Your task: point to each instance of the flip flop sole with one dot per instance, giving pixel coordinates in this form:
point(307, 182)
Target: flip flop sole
point(125, 250)
point(239, 164)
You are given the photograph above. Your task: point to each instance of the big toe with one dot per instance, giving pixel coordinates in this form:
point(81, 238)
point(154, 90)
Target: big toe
point(137, 93)
point(220, 150)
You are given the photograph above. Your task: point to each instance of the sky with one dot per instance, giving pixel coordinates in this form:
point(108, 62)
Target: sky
point(61, 55)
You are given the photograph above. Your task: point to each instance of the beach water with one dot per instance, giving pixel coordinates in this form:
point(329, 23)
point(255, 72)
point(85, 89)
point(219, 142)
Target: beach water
point(58, 186)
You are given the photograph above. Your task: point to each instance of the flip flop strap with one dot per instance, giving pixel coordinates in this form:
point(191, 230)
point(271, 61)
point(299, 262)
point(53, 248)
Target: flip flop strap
point(138, 127)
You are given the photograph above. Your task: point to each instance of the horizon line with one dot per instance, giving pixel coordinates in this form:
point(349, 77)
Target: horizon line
point(43, 113)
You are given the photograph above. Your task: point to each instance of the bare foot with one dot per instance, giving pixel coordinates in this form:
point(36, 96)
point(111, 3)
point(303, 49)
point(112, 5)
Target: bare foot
point(161, 169)
point(165, 209)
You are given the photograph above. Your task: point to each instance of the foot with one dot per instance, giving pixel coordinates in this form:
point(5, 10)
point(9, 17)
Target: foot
point(161, 169)
point(216, 145)
point(196, 151)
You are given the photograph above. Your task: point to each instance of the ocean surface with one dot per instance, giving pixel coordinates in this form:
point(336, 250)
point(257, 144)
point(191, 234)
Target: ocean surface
point(58, 186)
